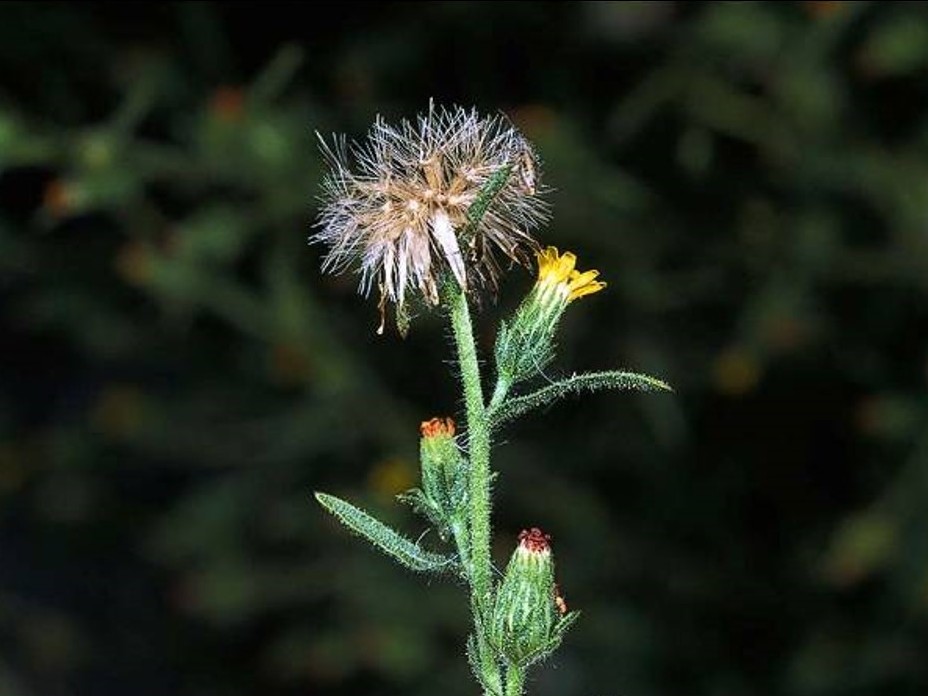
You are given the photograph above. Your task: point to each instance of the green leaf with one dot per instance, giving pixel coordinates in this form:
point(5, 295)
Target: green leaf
point(485, 196)
point(575, 384)
point(422, 505)
point(380, 535)
point(483, 663)
point(554, 642)
point(566, 622)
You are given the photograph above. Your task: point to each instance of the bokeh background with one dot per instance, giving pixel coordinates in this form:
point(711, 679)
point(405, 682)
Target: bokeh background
point(176, 376)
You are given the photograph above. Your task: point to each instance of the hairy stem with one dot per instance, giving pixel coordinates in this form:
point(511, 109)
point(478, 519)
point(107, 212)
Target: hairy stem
point(515, 681)
point(478, 438)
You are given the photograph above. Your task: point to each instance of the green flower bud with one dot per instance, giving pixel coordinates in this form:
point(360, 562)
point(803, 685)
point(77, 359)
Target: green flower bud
point(443, 496)
point(526, 613)
point(444, 471)
point(439, 456)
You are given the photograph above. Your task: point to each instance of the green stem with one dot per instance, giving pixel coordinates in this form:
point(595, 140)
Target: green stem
point(478, 439)
point(490, 677)
point(515, 681)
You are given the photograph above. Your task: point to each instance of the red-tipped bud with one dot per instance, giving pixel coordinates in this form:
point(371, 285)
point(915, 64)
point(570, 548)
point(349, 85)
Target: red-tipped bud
point(444, 472)
point(437, 427)
point(525, 613)
point(534, 540)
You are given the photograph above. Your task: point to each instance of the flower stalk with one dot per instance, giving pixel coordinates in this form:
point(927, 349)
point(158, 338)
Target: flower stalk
point(478, 440)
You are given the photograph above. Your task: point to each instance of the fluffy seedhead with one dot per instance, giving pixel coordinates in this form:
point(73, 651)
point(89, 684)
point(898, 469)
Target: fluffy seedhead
point(400, 207)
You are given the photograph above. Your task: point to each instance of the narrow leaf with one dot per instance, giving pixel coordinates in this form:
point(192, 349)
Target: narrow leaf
point(575, 384)
point(483, 663)
point(421, 505)
point(554, 642)
point(566, 622)
point(485, 196)
point(380, 535)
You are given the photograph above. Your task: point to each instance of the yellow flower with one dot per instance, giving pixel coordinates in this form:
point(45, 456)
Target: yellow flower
point(556, 273)
point(526, 343)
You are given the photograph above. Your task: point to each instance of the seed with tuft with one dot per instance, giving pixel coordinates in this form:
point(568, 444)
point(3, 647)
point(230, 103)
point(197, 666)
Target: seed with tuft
point(400, 206)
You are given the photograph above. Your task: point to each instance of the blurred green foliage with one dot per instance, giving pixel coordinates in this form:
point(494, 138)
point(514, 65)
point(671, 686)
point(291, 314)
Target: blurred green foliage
point(751, 179)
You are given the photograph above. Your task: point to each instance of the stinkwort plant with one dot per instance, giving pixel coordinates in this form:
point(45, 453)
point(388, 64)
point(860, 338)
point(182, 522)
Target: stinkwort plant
point(430, 211)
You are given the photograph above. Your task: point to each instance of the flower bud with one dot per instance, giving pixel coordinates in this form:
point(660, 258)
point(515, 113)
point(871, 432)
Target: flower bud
point(436, 428)
point(443, 495)
point(525, 614)
point(439, 457)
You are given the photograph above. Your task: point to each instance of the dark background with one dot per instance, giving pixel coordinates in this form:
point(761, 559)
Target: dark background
point(176, 376)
